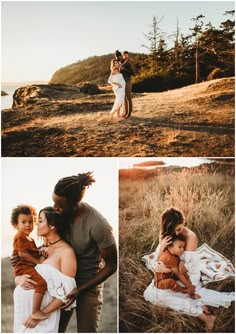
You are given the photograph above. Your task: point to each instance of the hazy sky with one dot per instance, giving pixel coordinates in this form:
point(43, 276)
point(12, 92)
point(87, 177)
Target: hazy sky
point(39, 37)
point(32, 180)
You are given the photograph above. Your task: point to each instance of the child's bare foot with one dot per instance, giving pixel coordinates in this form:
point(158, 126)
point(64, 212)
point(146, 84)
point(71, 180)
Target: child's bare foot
point(195, 296)
point(39, 315)
point(206, 310)
point(210, 323)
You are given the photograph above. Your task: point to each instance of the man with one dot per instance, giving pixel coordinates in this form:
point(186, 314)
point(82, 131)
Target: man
point(91, 237)
point(127, 70)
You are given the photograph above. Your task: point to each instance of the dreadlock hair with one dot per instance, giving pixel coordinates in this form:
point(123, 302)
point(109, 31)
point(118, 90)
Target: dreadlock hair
point(54, 219)
point(73, 187)
point(170, 218)
point(22, 209)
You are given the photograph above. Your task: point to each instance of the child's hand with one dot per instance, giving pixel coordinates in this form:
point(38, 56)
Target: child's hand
point(43, 252)
point(191, 289)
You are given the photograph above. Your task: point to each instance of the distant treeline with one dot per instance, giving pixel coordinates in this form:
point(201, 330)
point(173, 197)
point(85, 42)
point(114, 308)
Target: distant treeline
point(206, 53)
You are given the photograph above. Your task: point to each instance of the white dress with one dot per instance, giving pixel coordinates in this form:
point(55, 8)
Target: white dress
point(119, 92)
point(182, 302)
point(58, 285)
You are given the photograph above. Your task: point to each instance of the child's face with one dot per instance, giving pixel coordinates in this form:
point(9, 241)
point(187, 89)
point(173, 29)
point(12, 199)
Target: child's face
point(25, 223)
point(177, 248)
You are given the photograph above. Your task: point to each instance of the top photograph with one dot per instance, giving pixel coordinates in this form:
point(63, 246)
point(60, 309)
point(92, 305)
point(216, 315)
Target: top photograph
point(118, 79)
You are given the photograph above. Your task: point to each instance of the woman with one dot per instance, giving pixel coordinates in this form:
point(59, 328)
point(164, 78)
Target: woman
point(118, 85)
point(59, 270)
point(172, 222)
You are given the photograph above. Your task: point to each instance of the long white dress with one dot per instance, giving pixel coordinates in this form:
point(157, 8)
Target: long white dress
point(58, 285)
point(182, 302)
point(119, 92)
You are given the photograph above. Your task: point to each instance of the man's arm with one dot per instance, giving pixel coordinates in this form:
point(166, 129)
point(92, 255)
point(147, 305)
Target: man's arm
point(109, 255)
point(28, 258)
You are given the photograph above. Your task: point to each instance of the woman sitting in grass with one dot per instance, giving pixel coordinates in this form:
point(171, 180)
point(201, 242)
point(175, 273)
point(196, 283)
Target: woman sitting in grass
point(172, 224)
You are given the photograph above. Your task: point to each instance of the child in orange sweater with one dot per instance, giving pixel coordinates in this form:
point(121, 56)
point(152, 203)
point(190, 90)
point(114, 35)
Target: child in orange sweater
point(22, 219)
point(171, 259)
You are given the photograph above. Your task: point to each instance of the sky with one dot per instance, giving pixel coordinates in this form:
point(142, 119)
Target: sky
point(32, 180)
point(39, 37)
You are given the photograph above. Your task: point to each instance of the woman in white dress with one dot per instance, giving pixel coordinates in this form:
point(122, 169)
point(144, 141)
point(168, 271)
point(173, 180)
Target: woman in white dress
point(118, 85)
point(172, 222)
point(59, 270)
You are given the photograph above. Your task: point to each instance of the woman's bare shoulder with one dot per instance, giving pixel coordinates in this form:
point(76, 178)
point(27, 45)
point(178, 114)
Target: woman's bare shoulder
point(191, 241)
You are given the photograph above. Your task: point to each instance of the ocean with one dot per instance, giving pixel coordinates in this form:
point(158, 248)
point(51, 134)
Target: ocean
point(6, 101)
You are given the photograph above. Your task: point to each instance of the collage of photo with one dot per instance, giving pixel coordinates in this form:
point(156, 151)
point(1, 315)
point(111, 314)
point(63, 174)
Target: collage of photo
point(118, 167)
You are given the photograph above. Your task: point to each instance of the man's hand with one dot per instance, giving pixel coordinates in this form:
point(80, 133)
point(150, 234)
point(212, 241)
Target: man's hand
point(71, 298)
point(14, 259)
point(25, 282)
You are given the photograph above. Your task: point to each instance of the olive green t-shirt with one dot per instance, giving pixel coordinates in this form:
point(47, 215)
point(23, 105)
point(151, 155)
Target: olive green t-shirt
point(86, 235)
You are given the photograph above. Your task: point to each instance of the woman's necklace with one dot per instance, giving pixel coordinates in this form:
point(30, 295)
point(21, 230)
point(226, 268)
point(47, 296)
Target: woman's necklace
point(53, 243)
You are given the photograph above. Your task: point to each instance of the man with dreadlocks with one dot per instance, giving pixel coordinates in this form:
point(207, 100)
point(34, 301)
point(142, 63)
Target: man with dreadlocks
point(91, 237)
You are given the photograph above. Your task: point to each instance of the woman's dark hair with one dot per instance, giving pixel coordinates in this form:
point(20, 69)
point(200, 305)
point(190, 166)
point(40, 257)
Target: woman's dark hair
point(118, 54)
point(54, 219)
point(22, 209)
point(73, 187)
point(170, 218)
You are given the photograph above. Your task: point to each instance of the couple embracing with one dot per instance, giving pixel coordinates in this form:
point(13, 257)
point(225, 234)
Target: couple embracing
point(78, 254)
point(120, 79)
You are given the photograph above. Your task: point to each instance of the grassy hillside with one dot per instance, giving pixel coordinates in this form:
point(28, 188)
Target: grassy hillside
point(94, 69)
point(206, 197)
point(197, 120)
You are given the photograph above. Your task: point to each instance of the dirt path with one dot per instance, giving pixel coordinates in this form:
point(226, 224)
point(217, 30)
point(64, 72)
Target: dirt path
point(197, 120)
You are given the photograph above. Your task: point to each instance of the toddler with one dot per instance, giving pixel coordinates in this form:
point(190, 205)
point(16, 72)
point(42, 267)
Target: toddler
point(22, 219)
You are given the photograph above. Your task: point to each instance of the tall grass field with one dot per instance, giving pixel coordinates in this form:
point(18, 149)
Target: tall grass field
point(206, 197)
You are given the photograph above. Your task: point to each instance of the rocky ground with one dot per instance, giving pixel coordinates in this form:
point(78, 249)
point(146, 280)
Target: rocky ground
point(196, 120)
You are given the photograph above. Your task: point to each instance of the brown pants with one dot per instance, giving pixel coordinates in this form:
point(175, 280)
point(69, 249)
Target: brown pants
point(128, 98)
point(88, 312)
point(170, 283)
point(41, 286)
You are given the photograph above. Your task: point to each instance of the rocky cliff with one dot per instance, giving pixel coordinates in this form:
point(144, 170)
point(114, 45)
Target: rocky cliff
point(35, 94)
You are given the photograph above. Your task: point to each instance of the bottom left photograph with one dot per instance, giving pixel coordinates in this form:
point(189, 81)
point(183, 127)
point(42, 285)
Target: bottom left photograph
point(59, 237)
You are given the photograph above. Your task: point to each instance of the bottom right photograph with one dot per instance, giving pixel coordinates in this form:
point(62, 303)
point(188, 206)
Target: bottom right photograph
point(176, 245)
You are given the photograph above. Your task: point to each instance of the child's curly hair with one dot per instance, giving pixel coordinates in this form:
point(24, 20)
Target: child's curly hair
point(22, 209)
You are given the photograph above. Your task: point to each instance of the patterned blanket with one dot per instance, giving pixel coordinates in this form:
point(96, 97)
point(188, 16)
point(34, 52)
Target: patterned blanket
point(213, 265)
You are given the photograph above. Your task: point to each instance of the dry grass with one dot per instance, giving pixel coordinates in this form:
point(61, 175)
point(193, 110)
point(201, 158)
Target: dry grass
point(207, 200)
point(108, 322)
point(196, 120)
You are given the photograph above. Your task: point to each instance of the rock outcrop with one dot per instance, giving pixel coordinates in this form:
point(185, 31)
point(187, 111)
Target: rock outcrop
point(32, 94)
point(3, 93)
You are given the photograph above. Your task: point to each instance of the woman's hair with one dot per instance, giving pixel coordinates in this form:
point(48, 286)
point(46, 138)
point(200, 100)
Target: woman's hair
point(54, 219)
point(170, 218)
point(22, 209)
point(118, 54)
point(73, 187)
point(112, 63)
